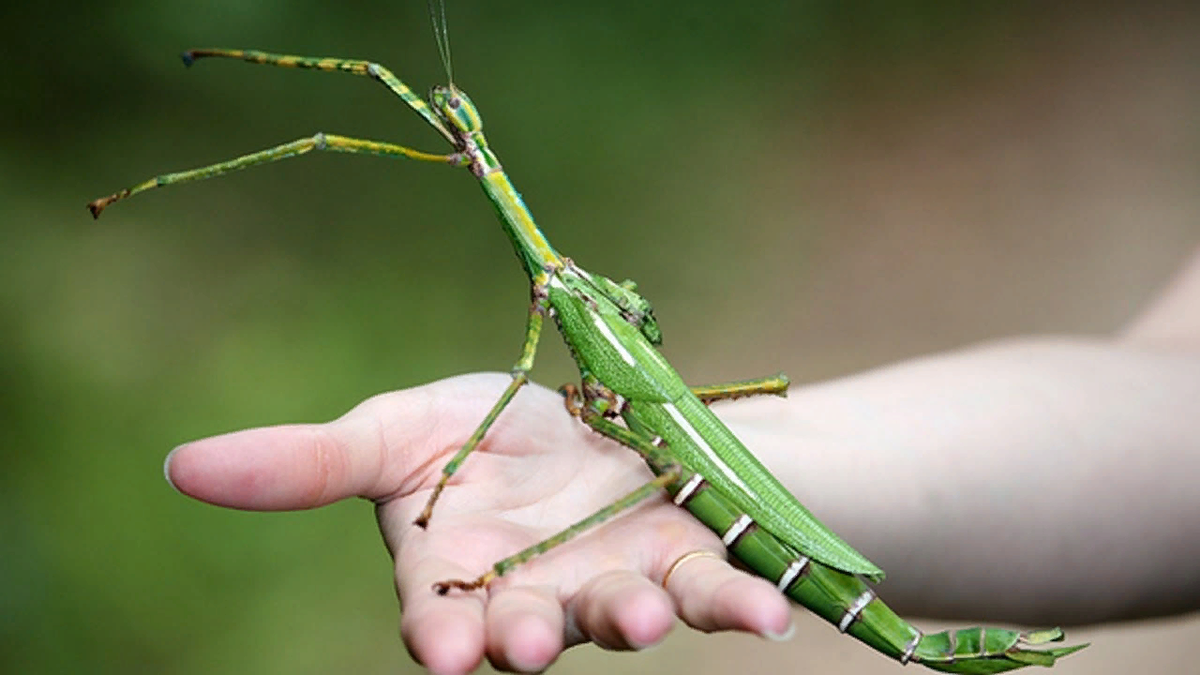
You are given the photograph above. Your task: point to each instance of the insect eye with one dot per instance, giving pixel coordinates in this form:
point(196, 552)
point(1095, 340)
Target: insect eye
point(454, 103)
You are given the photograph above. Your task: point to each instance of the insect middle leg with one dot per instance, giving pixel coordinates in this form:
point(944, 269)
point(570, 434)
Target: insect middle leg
point(520, 375)
point(775, 385)
point(668, 471)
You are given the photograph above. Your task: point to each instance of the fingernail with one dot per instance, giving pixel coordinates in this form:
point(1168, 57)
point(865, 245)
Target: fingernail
point(650, 646)
point(786, 635)
point(167, 468)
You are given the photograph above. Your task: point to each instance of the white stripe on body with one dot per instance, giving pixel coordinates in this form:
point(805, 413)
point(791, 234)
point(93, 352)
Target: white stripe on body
point(792, 573)
point(689, 488)
point(911, 648)
point(598, 321)
point(736, 530)
point(857, 607)
point(699, 441)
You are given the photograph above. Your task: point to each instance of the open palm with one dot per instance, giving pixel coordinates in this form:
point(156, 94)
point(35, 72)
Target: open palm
point(537, 471)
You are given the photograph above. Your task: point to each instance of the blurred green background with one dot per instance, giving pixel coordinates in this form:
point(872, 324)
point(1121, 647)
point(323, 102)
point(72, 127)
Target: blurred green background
point(817, 187)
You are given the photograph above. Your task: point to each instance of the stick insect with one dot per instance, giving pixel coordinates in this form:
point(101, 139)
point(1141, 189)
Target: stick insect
point(629, 393)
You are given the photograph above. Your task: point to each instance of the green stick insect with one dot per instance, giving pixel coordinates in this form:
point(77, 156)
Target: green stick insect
point(611, 332)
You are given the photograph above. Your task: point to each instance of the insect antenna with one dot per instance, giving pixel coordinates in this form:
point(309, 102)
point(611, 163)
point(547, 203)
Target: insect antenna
point(437, 17)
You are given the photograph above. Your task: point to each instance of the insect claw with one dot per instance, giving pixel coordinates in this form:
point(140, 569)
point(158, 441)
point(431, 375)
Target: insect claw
point(572, 399)
point(444, 587)
point(98, 205)
point(422, 520)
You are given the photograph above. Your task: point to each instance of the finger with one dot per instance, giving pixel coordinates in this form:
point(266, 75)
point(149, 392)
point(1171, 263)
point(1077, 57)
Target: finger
point(375, 451)
point(620, 610)
point(444, 633)
point(710, 595)
point(274, 468)
point(524, 628)
point(368, 452)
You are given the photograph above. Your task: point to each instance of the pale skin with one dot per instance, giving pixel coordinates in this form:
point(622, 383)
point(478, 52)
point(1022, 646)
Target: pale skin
point(1041, 480)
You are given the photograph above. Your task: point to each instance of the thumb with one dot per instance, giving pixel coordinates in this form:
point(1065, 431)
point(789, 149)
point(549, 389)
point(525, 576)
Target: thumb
point(370, 452)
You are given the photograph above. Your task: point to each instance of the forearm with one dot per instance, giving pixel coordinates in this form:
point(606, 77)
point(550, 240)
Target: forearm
point(1040, 480)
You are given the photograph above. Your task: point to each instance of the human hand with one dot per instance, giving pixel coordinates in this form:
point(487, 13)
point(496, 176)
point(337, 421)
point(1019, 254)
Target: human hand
point(537, 471)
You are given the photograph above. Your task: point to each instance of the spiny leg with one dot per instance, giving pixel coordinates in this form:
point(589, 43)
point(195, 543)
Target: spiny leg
point(520, 374)
point(508, 564)
point(572, 399)
point(595, 397)
point(353, 66)
point(595, 403)
point(775, 385)
point(320, 141)
point(668, 473)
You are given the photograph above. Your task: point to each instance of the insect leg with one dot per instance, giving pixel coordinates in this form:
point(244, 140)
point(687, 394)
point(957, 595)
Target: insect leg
point(319, 141)
point(520, 375)
point(669, 473)
point(775, 385)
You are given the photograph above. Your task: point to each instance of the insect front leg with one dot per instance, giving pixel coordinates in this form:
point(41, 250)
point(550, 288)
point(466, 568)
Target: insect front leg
point(319, 141)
